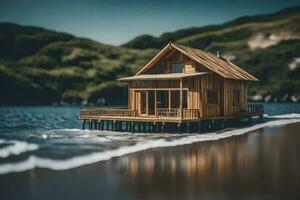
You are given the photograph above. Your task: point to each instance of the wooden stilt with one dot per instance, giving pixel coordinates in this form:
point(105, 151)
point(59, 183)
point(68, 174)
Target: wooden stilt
point(153, 128)
point(95, 125)
point(83, 124)
point(179, 128)
point(113, 126)
point(188, 127)
point(107, 125)
point(120, 126)
point(213, 125)
point(139, 126)
point(126, 126)
point(132, 127)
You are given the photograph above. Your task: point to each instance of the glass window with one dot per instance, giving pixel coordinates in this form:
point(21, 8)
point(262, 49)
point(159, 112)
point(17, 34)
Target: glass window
point(212, 97)
point(236, 97)
point(177, 67)
point(175, 99)
point(162, 99)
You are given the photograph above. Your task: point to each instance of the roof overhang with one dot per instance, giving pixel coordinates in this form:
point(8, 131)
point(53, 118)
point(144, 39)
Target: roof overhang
point(214, 64)
point(170, 76)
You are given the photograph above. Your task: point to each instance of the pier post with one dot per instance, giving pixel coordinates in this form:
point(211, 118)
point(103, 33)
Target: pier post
point(144, 127)
point(113, 128)
point(95, 124)
point(179, 127)
point(188, 127)
point(126, 126)
point(222, 124)
point(157, 127)
point(83, 124)
point(120, 126)
point(213, 125)
point(107, 125)
point(261, 118)
point(250, 120)
point(154, 128)
point(132, 127)
point(100, 125)
point(199, 126)
point(90, 124)
point(139, 126)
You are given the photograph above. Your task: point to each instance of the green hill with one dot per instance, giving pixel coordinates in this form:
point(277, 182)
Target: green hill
point(265, 45)
point(39, 66)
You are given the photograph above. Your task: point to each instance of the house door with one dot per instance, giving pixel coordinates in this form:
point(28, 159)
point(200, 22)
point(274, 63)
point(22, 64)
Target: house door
point(151, 102)
point(143, 103)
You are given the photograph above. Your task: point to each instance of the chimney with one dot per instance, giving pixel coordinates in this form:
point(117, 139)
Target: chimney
point(218, 54)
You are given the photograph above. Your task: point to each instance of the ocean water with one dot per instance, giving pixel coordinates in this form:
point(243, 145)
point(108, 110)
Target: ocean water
point(51, 137)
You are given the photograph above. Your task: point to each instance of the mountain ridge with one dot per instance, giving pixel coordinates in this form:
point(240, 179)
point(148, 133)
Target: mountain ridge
point(41, 67)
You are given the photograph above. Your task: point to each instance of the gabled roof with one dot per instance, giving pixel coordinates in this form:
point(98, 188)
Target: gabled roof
point(215, 64)
point(172, 76)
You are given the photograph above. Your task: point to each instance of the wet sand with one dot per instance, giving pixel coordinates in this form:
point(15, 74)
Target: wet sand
point(263, 164)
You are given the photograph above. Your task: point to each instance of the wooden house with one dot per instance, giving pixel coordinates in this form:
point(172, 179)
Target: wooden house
point(180, 85)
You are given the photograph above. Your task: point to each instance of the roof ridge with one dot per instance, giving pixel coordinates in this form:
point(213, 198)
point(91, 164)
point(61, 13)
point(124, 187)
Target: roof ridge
point(222, 67)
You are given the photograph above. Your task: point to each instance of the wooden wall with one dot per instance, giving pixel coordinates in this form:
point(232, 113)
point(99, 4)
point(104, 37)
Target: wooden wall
point(198, 87)
point(229, 86)
point(164, 66)
point(197, 95)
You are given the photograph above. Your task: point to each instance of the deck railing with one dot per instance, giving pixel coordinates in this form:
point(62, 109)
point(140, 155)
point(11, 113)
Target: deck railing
point(162, 113)
point(96, 112)
point(171, 113)
point(255, 108)
point(190, 113)
point(167, 113)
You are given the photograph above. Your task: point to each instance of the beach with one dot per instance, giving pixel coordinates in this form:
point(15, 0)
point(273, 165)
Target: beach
point(260, 164)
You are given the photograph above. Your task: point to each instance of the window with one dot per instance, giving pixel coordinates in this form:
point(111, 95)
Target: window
point(212, 97)
point(162, 99)
point(177, 67)
point(236, 97)
point(175, 99)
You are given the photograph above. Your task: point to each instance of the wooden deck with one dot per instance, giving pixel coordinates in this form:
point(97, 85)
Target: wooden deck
point(164, 119)
point(162, 114)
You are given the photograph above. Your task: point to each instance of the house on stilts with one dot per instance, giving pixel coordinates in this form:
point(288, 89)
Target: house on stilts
point(182, 89)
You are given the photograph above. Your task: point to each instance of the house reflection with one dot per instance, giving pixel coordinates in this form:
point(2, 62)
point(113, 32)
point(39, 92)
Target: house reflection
point(245, 163)
point(194, 162)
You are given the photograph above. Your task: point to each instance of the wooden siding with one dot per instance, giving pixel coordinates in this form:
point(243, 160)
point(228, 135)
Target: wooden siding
point(198, 87)
point(148, 84)
point(164, 65)
point(229, 86)
point(189, 68)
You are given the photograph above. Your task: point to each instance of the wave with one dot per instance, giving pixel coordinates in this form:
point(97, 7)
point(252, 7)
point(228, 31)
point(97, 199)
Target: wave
point(283, 116)
point(38, 162)
point(19, 127)
point(15, 148)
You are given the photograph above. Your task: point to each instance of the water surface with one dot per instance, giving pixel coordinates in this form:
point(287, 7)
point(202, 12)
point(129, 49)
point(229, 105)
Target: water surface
point(42, 149)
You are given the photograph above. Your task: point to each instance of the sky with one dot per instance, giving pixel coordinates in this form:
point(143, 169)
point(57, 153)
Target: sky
point(116, 22)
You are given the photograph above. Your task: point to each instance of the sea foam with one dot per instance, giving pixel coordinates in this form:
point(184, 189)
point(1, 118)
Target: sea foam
point(38, 162)
point(15, 147)
point(283, 116)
